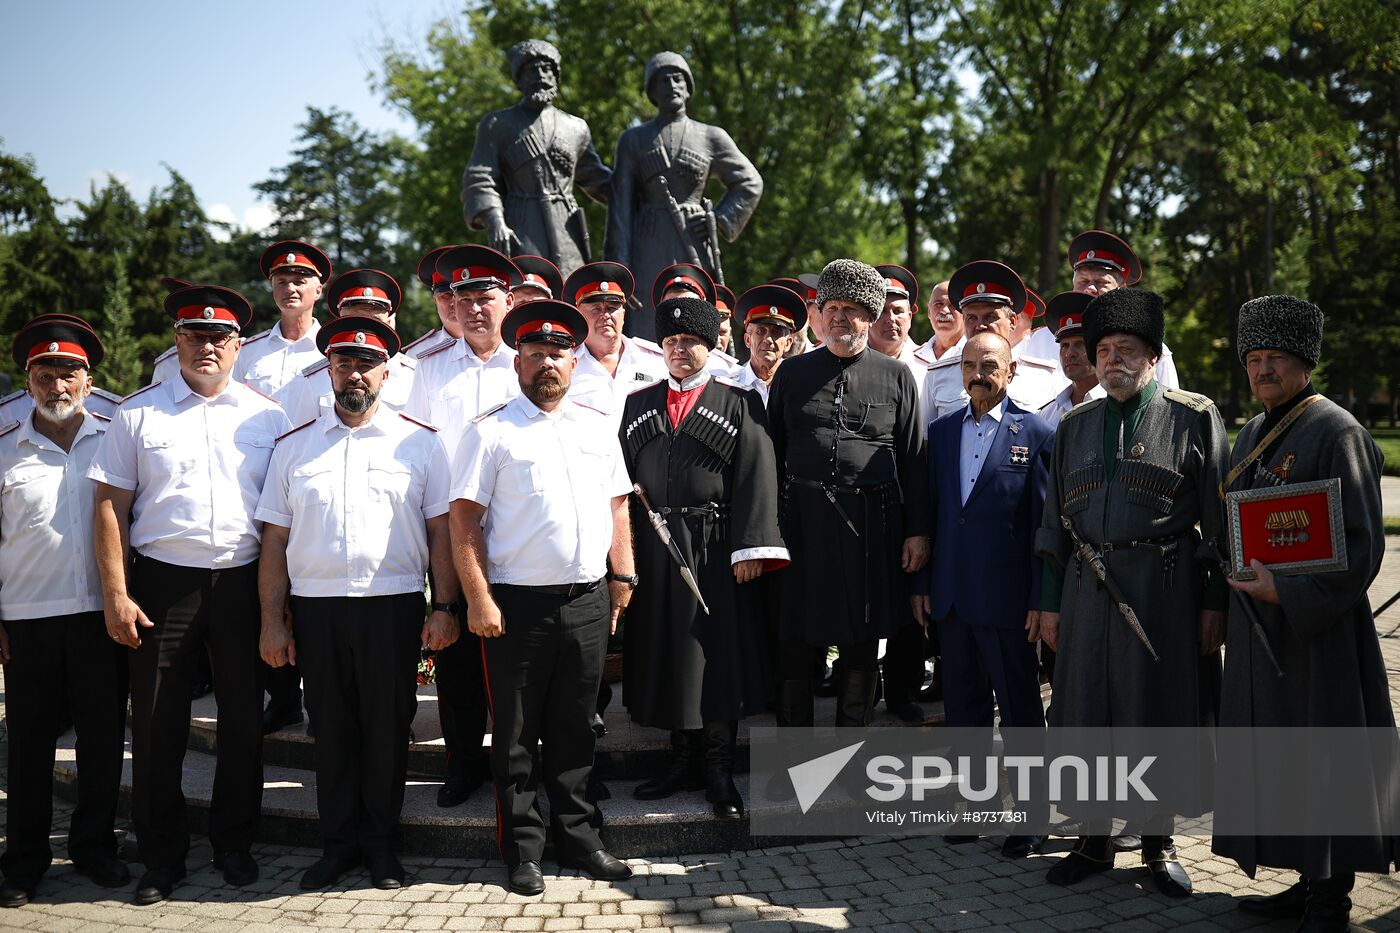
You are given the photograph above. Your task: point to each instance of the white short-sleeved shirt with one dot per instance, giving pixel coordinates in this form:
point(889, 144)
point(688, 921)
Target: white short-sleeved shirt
point(18, 405)
point(196, 466)
point(267, 361)
point(453, 385)
point(309, 395)
point(547, 481)
point(942, 385)
point(357, 502)
point(1037, 379)
point(48, 566)
point(640, 364)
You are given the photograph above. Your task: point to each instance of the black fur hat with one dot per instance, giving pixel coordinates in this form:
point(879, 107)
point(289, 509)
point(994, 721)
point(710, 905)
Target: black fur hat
point(694, 316)
point(1124, 311)
point(1280, 322)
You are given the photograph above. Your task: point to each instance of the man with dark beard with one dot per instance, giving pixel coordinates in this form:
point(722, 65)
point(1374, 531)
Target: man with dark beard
point(53, 642)
point(518, 184)
point(534, 536)
point(353, 510)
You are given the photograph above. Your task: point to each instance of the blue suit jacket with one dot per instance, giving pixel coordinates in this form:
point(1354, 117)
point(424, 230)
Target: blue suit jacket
point(983, 565)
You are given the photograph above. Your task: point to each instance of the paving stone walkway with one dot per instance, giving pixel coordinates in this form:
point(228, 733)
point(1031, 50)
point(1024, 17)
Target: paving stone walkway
point(880, 883)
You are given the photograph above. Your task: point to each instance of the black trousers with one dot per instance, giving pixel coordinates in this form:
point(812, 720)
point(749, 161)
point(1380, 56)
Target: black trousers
point(359, 662)
point(462, 708)
point(195, 610)
point(542, 678)
point(62, 663)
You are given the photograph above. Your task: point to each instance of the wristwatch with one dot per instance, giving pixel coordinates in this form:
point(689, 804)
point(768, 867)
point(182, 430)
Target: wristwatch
point(631, 581)
point(445, 607)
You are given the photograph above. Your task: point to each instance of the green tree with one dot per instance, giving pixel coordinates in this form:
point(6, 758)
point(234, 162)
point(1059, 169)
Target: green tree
point(122, 369)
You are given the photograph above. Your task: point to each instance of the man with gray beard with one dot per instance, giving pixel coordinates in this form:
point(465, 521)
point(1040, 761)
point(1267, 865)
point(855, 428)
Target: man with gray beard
point(518, 184)
point(1134, 474)
point(53, 641)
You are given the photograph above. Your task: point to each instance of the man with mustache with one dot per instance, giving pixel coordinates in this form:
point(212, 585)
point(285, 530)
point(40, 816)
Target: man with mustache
point(691, 672)
point(844, 422)
point(451, 386)
point(53, 642)
point(988, 467)
point(1135, 473)
point(664, 165)
point(941, 389)
point(1065, 320)
point(1319, 626)
point(545, 578)
point(610, 364)
point(772, 315)
point(178, 473)
point(353, 510)
point(518, 184)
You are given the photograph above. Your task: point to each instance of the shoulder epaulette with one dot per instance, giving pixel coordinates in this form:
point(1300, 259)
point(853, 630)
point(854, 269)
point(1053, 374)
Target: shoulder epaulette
point(437, 349)
point(489, 412)
point(161, 357)
point(257, 336)
point(1038, 361)
point(948, 360)
point(733, 384)
point(99, 417)
point(421, 424)
point(316, 367)
point(732, 361)
point(432, 333)
point(1192, 400)
point(644, 344)
point(8, 428)
point(260, 392)
point(1086, 405)
point(101, 393)
point(406, 361)
point(919, 355)
point(11, 397)
point(297, 428)
point(139, 391)
point(590, 407)
point(645, 385)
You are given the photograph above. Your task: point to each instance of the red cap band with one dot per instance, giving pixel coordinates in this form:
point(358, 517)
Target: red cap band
point(685, 280)
point(206, 313)
point(365, 293)
point(1071, 320)
point(896, 286)
point(531, 328)
point(293, 261)
point(596, 289)
point(722, 307)
point(57, 349)
point(357, 340)
point(535, 281)
point(770, 313)
point(811, 294)
point(1101, 256)
point(985, 291)
point(492, 277)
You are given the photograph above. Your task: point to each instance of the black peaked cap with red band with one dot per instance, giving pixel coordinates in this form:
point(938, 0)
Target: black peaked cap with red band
point(538, 272)
point(546, 321)
point(364, 285)
point(987, 280)
point(598, 279)
point(685, 274)
point(427, 272)
point(900, 283)
point(57, 338)
point(1064, 314)
point(477, 267)
point(1103, 250)
point(724, 300)
point(295, 256)
point(210, 307)
point(772, 304)
point(363, 337)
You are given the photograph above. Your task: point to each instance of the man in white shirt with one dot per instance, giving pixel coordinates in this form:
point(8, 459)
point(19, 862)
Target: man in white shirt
point(771, 315)
point(353, 510)
point(441, 290)
point(18, 404)
point(53, 641)
point(1065, 319)
point(179, 473)
point(941, 388)
point(890, 334)
point(533, 571)
point(610, 365)
point(453, 385)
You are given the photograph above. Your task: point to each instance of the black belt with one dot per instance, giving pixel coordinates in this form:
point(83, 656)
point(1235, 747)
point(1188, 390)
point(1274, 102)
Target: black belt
point(1161, 545)
point(838, 490)
point(558, 590)
point(709, 508)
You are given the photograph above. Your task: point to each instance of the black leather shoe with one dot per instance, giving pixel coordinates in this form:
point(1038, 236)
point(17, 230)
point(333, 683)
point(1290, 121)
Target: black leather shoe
point(385, 870)
point(275, 719)
point(16, 893)
point(238, 867)
point(1167, 873)
point(1289, 902)
point(1091, 855)
point(959, 839)
point(1021, 846)
point(156, 884)
point(1128, 842)
point(527, 879)
point(327, 871)
point(684, 769)
point(455, 790)
point(599, 864)
point(108, 871)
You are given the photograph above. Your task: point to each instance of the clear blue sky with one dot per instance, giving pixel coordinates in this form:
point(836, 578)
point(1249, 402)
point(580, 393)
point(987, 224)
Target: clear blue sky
point(213, 88)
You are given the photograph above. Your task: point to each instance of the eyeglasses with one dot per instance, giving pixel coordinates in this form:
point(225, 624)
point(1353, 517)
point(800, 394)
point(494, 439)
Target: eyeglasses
point(199, 339)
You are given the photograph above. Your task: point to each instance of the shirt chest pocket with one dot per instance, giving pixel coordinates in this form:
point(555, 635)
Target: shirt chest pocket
point(876, 420)
point(314, 486)
point(30, 488)
point(168, 455)
point(255, 450)
point(390, 482)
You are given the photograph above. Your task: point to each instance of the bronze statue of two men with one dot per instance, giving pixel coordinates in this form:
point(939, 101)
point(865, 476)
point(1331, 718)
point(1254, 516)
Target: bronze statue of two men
point(518, 185)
